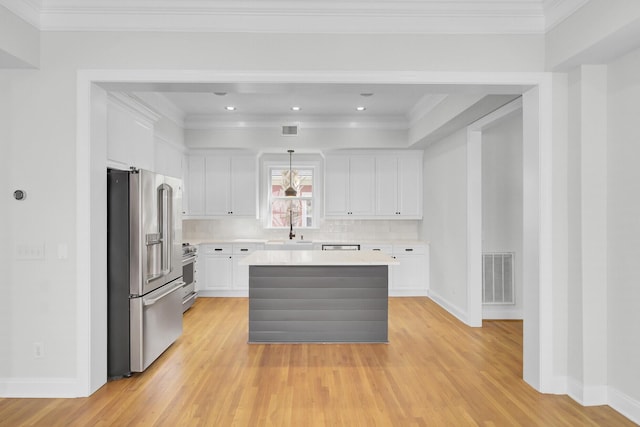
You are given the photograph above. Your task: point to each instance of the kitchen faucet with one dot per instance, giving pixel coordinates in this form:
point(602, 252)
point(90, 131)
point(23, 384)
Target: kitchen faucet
point(291, 233)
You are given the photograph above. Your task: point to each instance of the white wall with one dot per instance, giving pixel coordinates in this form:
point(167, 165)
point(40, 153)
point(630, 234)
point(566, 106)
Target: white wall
point(587, 235)
point(41, 160)
point(445, 220)
point(6, 219)
point(308, 138)
point(198, 231)
point(623, 232)
point(43, 123)
point(502, 203)
point(574, 338)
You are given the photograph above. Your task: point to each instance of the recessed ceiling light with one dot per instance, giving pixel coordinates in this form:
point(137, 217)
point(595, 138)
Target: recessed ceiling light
point(220, 93)
point(361, 108)
point(295, 108)
point(230, 108)
point(366, 94)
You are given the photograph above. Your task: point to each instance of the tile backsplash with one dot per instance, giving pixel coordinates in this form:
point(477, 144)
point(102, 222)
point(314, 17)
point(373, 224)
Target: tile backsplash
point(329, 230)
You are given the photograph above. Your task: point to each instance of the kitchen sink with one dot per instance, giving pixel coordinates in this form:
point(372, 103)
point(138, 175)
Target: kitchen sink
point(288, 244)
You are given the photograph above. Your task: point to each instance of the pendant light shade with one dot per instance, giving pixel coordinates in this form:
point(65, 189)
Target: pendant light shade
point(290, 191)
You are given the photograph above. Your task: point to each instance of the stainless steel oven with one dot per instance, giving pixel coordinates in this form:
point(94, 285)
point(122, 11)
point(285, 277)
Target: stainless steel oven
point(189, 295)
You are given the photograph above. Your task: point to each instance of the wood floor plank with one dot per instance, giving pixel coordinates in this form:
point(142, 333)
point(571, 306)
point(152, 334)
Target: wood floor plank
point(435, 371)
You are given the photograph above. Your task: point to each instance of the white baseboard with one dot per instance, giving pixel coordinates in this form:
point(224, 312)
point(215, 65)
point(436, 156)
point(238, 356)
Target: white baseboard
point(587, 395)
point(501, 313)
point(454, 310)
point(39, 387)
point(408, 293)
point(626, 405)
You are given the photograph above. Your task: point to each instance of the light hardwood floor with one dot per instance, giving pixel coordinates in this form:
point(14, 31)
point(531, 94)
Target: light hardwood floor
point(434, 372)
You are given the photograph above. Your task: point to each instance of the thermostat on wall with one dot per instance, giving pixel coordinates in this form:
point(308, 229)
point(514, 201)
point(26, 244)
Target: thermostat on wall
point(19, 195)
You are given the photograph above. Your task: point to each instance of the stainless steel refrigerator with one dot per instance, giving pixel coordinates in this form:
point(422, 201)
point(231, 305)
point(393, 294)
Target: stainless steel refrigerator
point(144, 268)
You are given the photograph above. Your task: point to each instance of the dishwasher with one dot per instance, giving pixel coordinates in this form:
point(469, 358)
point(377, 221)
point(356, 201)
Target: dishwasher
point(341, 247)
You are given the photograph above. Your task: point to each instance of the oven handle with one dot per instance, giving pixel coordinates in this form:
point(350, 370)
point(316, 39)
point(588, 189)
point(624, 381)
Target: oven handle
point(188, 259)
point(151, 301)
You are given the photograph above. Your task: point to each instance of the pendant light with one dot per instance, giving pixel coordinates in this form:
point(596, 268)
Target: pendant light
point(290, 192)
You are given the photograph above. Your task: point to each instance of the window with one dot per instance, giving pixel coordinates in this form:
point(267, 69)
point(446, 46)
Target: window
point(285, 211)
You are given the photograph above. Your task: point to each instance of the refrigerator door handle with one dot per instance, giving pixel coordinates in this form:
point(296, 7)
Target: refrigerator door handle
point(150, 301)
point(165, 224)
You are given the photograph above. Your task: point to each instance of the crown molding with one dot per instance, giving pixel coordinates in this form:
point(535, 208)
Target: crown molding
point(556, 11)
point(424, 107)
point(298, 16)
point(134, 106)
point(28, 10)
point(160, 104)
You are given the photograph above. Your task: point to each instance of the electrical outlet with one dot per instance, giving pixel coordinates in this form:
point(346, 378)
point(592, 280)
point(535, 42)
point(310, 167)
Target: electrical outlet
point(38, 350)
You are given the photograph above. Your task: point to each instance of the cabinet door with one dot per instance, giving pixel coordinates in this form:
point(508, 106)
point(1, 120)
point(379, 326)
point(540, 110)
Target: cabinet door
point(240, 274)
point(243, 186)
point(218, 272)
point(217, 185)
point(407, 275)
point(336, 192)
point(195, 186)
point(130, 139)
point(410, 187)
point(387, 185)
point(411, 276)
point(361, 185)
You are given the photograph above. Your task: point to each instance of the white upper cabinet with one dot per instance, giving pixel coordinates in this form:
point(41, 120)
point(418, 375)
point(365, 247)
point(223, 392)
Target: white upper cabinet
point(399, 186)
point(168, 159)
point(221, 185)
point(243, 186)
point(374, 185)
point(194, 187)
point(410, 186)
point(349, 185)
point(130, 133)
point(218, 185)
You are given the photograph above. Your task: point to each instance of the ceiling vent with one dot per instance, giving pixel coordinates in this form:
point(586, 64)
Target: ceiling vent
point(291, 130)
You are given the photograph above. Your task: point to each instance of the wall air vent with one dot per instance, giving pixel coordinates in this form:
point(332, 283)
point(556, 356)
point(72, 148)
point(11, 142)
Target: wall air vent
point(291, 130)
point(498, 278)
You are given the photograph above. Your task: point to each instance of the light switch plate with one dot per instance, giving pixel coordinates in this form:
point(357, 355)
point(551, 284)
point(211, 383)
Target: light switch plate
point(29, 251)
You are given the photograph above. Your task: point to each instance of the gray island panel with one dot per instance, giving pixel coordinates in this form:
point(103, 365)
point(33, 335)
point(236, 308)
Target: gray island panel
point(318, 303)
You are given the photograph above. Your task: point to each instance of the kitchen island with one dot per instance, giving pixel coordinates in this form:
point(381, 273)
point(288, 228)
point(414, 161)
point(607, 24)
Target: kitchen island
point(318, 296)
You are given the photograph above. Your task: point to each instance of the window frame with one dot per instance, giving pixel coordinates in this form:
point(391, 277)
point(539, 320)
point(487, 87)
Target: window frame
point(266, 190)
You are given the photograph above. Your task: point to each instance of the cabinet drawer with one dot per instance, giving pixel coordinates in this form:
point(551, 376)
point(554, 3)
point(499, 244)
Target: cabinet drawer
point(387, 249)
point(213, 249)
point(409, 249)
point(245, 248)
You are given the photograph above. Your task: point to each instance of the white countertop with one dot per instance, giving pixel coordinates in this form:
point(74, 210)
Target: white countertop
point(311, 241)
point(302, 257)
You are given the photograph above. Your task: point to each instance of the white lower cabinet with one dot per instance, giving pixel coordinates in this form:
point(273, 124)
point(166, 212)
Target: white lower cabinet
point(220, 273)
point(241, 272)
point(411, 276)
point(216, 268)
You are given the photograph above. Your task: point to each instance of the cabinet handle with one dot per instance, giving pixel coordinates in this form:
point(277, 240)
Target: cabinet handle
point(376, 249)
point(244, 250)
point(218, 249)
point(409, 250)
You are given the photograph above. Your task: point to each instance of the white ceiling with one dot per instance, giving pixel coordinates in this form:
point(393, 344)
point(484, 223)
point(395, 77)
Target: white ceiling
point(390, 106)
